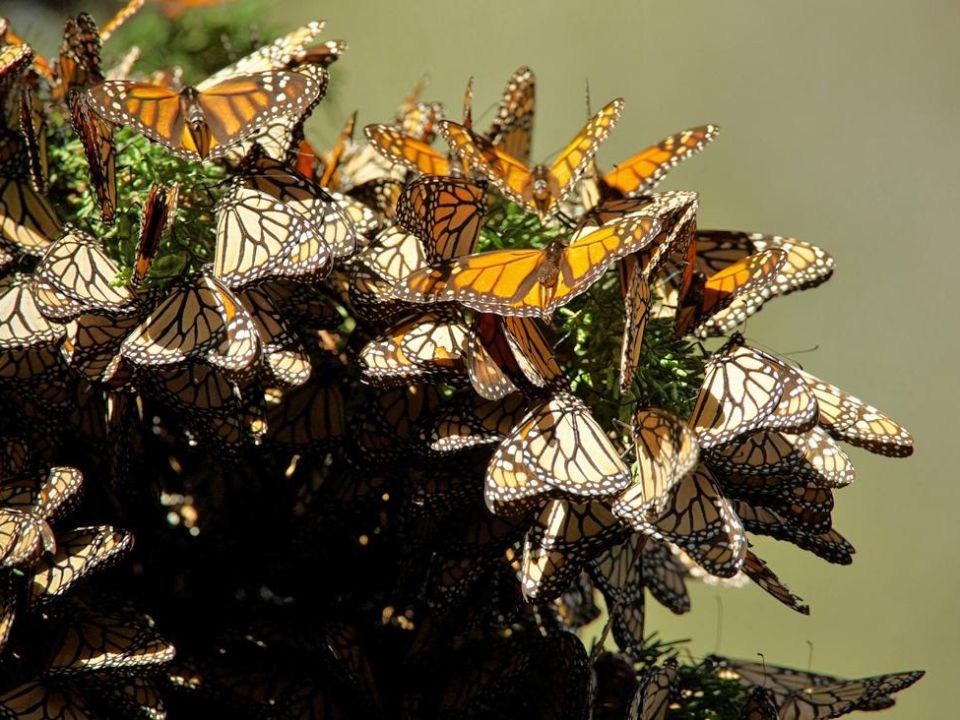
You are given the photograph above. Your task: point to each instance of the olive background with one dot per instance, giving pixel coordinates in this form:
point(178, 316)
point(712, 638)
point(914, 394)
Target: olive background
point(839, 127)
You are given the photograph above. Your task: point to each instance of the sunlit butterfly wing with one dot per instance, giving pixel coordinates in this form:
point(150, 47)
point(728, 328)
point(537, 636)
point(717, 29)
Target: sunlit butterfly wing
point(747, 281)
point(260, 238)
point(563, 538)
point(330, 220)
point(96, 137)
point(641, 173)
point(758, 571)
point(851, 420)
point(75, 276)
point(22, 325)
point(28, 221)
point(528, 282)
point(201, 320)
point(699, 519)
point(561, 450)
point(93, 641)
point(205, 122)
point(413, 154)
point(79, 553)
point(331, 161)
point(666, 450)
point(745, 390)
point(445, 213)
point(422, 346)
point(512, 128)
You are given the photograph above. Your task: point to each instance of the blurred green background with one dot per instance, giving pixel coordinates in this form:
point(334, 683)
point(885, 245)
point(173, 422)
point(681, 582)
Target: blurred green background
point(839, 127)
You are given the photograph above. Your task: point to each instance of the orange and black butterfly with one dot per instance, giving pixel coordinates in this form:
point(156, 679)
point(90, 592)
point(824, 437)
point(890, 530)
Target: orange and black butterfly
point(539, 189)
point(528, 282)
point(208, 120)
point(851, 420)
point(445, 213)
point(640, 173)
point(745, 390)
point(158, 213)
point(505, 354)
point(761, 574)
point(747, 281)
point(96, 137)
point(78, 65)
point(830, 545)
point(809, 696)
point(512, 128)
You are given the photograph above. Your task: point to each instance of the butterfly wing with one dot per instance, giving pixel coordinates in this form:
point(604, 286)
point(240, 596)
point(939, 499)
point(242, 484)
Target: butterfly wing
point(414, 154)
point(509, 175)
point(512, 128)
point(576, 157)
point(641, 173)
point(445, 213)
point(96, 137)
point(27, 219)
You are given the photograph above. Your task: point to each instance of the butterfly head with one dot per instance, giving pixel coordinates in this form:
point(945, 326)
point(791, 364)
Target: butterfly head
point(543, 190)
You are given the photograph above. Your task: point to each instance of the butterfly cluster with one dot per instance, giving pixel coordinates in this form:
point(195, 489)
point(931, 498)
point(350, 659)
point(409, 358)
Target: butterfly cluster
point(368, 432)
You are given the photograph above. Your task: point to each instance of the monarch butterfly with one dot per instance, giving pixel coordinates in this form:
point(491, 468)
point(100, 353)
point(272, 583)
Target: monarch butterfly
point(640, 173)
point(78, 65)
point(259, 237)
point(698, 518)
point(617, 574)
point(760, 705)
point(542, 188)
point(503, 352)
point(850, 419)
point(744, 390)
point(665, 576)
point(388, 426)
point(91, 345)
point(29, 508)
point(331, 161)
point(22, 324)
point(805, 266)
point(556, 449)
point(802, 503)
point(92, 641)
point(666, 450)
point(470, 421)
point(576, 608)
point(79, 552)
point(399, 147)
point(96, 137)
point(206, 121)
point(445, 213)
point(655, 693)
point(758, 571)
point(426, 345)
point(564, 536)
point(158, 214)
point(830, 545)
point(28, 221)
point(808, 696)
point(284, 358)
point(120, 18)
point(813, 456)
point(34, 131)
point(512, 128)
point(746, 281)
point(528, 282)
point(199, 320)
point(75, 276)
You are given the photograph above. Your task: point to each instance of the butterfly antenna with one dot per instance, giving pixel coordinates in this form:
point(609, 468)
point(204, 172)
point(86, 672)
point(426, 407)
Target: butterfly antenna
point(763, 661)
point(587, 98)
point(809, 654)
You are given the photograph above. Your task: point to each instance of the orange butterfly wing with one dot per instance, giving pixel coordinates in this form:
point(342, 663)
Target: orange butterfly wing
point(152, 110)
point(509, 175)
point(577, 155)
point(641, 172)
point(403, 149)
